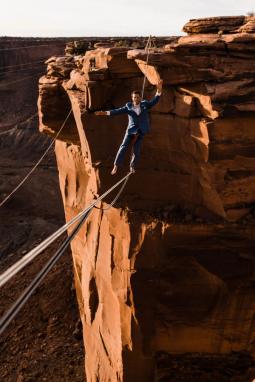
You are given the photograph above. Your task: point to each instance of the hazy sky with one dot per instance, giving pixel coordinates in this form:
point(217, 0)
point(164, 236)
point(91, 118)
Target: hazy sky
point(110, 17)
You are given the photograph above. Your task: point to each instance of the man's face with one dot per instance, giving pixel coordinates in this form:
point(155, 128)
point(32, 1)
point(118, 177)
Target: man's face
point(136, 98)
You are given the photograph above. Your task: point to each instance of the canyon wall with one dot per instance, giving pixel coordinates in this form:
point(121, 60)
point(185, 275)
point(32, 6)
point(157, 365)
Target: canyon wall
point(21, 64)
point(170, 267)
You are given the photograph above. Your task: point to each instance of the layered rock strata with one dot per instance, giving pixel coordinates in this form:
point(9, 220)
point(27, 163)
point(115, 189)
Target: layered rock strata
point(21, 64)
point(167, 268)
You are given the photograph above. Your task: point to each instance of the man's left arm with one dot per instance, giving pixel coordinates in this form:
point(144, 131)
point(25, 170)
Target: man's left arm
point(156, 98)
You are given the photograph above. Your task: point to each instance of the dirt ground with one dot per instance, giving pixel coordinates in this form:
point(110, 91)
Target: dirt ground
point(44, 341)
point(233, 367)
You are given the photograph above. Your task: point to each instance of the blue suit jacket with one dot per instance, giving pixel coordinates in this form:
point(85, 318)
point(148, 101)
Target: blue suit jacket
point(135, 121)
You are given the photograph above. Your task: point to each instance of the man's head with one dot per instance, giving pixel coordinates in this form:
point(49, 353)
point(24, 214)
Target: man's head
point(136, 97)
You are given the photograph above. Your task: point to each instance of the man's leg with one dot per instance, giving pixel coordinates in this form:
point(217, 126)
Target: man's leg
point(121, 153)
point(136, 152)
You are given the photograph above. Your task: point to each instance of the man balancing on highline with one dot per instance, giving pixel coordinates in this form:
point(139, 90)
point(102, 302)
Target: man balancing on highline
point(138, 125)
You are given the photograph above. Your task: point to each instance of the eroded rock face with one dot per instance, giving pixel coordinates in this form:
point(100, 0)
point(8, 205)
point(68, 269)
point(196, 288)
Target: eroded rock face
point(229, 24)
point(167, 268)
point(21, 64)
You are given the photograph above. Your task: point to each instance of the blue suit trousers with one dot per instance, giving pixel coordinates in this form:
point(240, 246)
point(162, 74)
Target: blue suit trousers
point(136, 141)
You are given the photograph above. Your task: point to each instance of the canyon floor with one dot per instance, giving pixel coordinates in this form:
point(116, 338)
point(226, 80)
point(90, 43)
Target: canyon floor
point(44, 342)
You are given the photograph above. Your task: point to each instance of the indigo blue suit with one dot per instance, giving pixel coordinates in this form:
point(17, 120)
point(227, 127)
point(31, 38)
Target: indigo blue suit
point(138, 126)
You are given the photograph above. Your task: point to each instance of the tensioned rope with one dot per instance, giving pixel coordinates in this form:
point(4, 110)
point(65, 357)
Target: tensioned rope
point(38, 162)
point(12, 312)
point(15, 308)
point(32, 254)
point(15, 268)
point(147, 47)
point(116, 197)
point(7, 131)
point(32, 170)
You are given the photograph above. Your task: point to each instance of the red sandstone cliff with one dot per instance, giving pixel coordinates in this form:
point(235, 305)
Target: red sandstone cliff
point(171, 267)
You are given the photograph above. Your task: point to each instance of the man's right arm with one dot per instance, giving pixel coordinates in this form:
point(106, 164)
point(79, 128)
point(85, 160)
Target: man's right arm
point(121, 110)
point(100, 112)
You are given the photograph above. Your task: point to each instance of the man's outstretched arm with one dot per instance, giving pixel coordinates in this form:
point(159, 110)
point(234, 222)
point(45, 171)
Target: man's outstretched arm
point(121, 110)
point(156, 98)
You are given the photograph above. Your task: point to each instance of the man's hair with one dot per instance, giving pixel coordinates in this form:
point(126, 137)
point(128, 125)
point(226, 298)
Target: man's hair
point(136, 92)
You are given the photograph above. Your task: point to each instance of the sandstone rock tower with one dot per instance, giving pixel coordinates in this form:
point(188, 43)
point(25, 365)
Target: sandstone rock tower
point(170, 268)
